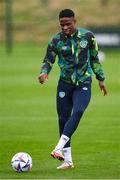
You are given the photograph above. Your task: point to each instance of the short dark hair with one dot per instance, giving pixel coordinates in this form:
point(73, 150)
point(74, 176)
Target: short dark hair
point(66, 13)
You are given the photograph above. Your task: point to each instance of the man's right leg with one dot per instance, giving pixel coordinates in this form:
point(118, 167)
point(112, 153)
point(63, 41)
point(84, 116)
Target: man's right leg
point(64, 108)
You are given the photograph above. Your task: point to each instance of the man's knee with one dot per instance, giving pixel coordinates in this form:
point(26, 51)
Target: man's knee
point(78, 114)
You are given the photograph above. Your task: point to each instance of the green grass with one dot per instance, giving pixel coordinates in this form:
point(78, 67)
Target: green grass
point(28, 119)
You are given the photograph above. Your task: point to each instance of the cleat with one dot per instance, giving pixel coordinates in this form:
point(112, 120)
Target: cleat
point(57, 155)
point(66, 165)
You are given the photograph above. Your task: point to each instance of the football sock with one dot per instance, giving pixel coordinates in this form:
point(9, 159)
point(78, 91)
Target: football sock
point(62, 141)
point(67, 154)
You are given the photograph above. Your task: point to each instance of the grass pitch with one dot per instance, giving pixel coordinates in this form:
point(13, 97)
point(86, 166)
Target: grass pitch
point(28, 119)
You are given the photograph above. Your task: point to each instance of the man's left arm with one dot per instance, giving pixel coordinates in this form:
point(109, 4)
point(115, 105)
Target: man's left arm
point(96, 65)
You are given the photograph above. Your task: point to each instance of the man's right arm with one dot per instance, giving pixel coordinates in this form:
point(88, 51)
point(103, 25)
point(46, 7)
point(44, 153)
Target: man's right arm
point(48, 62)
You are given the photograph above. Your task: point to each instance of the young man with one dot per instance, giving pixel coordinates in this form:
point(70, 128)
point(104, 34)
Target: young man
point(77, 52)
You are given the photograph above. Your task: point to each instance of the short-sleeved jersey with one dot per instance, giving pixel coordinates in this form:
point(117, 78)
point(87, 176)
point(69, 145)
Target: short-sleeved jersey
point(77, 57)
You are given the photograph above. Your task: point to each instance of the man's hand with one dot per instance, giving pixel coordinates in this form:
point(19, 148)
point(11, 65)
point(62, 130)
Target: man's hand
point(103, 87)
point(43, 78)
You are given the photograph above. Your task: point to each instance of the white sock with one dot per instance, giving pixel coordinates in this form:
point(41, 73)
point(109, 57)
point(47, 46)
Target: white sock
point(62, 141)
point(67, 154)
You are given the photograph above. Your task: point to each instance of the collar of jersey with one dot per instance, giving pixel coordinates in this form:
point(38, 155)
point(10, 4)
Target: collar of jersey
point(72, 35)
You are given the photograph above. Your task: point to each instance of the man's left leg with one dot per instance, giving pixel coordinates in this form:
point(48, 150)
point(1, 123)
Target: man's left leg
point(81, 99)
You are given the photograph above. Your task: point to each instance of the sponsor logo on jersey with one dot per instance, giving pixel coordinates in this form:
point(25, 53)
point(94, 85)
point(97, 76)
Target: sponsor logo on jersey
point(85, 88)
point(64, 48)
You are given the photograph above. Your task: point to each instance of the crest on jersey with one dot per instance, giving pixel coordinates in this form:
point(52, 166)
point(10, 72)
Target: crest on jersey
point(61, 94)
point(83, 43)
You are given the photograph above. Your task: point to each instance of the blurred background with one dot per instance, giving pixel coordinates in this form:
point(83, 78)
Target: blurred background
point(36, 20)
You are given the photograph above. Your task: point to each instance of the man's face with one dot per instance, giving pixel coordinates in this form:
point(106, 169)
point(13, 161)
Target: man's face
point(67, 25)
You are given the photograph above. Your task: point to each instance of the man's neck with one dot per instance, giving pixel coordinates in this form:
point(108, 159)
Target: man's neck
point(72, 34)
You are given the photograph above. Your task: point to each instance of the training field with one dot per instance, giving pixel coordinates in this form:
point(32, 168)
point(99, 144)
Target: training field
point(28, 119)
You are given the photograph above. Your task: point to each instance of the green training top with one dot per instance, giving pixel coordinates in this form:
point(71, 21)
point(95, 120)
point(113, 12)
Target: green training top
point(77, 57)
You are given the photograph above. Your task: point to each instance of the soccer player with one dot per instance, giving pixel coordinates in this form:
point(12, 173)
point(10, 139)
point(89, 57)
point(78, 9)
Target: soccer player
point(77, 52)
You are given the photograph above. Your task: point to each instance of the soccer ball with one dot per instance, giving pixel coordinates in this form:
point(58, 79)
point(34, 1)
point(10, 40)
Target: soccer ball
point(21, 162)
